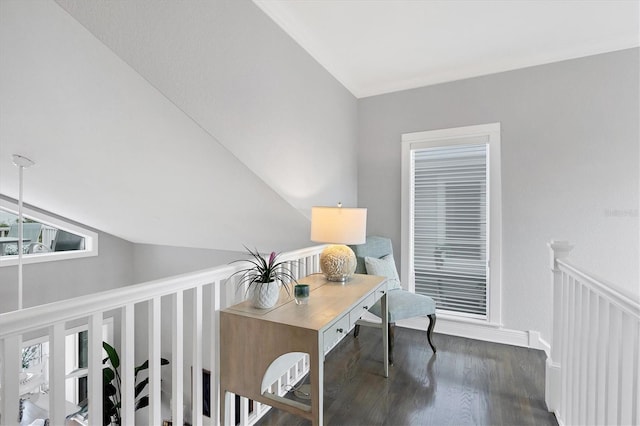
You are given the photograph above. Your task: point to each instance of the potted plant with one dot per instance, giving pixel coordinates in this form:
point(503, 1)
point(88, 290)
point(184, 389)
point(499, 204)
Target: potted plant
point(264, 277)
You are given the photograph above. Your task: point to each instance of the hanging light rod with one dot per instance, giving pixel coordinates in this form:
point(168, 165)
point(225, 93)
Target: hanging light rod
point(22, 161)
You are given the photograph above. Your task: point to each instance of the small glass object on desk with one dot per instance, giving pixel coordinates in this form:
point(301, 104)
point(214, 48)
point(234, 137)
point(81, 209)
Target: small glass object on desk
point(301, 292)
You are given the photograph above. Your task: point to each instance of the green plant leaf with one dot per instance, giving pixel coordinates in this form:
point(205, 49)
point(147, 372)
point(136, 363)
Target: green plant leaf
point(141, 367)
point(113, 355)
point(145, 366)
point(142, 402)
point(108, 374)
point(109, 390)
point(108, 407)
point(140, 386)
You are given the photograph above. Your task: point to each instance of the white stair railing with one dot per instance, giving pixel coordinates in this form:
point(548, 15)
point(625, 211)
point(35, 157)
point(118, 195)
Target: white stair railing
point(593, 371)
point(192, 302)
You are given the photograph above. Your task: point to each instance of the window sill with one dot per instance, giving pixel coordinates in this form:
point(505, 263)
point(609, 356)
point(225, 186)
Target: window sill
point(46, 257)
point(447, 316)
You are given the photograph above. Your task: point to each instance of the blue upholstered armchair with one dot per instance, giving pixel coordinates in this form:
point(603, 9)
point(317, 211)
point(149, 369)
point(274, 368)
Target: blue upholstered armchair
point(375, 257)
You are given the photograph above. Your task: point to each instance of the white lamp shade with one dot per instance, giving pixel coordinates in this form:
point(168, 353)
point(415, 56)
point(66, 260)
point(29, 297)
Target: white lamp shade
point(338, 225)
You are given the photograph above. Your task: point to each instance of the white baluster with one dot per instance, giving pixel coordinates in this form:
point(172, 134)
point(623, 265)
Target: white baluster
point(602, 360)
point(583, 349)
point(155, 412)
point(95, 367)
point(570, 389)
point(244, 411)
point(214, 404)
point(613, 368)
point(636, 375)
point(564, 342)
point(56, 379)
point(230, 409)
point(591, 353)
point(177, 361)
point(628, 361)
point(127, 364)
point(196, 374)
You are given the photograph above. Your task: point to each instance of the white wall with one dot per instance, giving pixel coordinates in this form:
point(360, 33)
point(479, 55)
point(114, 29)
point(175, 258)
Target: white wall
point(151, 262)
point(226, 136)
point(570, 143)
point(247, 83)
point(48, 282)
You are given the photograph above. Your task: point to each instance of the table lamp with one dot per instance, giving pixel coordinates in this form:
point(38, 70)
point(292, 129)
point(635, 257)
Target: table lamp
point(338, 226)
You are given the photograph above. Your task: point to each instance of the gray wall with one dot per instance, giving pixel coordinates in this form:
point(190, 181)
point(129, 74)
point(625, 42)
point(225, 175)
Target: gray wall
point(237, 74)
point(119, 263)
point(176, 174)
point(48, 282)
point(569, 162)
point(152, 262)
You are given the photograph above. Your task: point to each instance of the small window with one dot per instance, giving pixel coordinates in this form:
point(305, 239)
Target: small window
point(449, 226)
point(44, 238)
point(34, 374)
point(451, 221)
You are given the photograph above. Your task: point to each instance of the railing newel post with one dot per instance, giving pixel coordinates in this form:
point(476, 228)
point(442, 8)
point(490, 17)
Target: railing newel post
point(553, 384)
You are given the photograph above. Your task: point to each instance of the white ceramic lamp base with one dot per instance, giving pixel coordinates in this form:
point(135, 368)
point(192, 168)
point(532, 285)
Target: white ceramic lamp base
point(338, 262)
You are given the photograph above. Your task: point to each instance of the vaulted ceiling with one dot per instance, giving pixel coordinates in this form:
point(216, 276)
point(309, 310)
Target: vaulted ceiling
point(204, 124)
point(170, 123)
point(374, 46)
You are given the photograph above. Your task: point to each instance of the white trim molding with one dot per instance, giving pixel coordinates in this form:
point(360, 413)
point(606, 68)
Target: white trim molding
point(90, 237)
point(483, 133)
point(480, 330)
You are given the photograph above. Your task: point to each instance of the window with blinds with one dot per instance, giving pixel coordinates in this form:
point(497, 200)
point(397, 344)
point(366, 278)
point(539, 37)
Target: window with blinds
point(449, 210)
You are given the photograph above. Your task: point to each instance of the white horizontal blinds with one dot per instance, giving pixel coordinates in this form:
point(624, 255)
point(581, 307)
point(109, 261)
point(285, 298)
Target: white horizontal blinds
point(450, 225)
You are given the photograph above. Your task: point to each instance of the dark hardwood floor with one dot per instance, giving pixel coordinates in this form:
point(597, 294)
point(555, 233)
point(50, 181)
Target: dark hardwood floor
point(468, 382)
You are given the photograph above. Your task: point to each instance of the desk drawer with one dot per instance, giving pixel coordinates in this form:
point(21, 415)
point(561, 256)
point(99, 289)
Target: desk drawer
point(360, 309)
point(333, 334)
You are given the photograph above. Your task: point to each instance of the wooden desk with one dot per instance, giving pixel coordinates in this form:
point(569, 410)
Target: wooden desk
point(251, 339)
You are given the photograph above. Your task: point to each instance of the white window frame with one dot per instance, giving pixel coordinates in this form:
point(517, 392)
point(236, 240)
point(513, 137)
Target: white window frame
point(90, 237)
point(72, 371)
point(452, 136)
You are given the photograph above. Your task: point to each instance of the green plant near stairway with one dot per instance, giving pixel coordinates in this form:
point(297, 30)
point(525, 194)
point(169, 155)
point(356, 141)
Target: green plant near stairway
point(111, 386)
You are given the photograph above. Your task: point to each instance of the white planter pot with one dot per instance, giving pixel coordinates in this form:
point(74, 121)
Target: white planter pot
point(264, 295)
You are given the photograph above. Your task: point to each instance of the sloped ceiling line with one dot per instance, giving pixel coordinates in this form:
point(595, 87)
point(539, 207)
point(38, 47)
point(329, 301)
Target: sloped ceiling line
point(114, 153)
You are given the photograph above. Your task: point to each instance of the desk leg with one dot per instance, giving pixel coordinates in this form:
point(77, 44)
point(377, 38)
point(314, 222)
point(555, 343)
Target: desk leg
point(385, 334)
point(316, 375)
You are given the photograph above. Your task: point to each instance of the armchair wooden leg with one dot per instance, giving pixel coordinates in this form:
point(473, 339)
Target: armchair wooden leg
point(392, 334)
point(432, 325)
point(356, 330)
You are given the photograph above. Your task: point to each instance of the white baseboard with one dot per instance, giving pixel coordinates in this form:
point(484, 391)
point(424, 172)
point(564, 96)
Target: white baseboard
point(552, 385)
point(480, 331)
